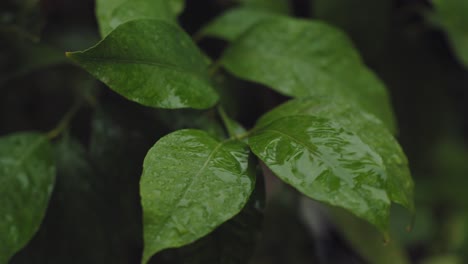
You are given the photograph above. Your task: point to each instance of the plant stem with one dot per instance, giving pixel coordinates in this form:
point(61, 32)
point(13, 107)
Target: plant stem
point(65, 121)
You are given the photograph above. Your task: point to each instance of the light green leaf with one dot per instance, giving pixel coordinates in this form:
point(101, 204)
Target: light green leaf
point(451, 15)
point(191, 184)
point(27, 174)
point(327, 163)
point(234, 22)
point(301, 58)
point(368, 128)
point(112, 13)
point(233, 128)
point(276, 6)
point(152, 63)
point(177, 6)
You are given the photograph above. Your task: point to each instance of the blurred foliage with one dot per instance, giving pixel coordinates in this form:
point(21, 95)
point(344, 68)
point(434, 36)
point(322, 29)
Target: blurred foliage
point(397, 39)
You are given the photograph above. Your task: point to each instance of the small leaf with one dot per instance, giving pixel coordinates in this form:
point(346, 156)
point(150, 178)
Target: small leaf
point(152, 63)
point(27, 173)
point(451, 14)
point(233, 128)
point(234, 22)
point(191, 184)
point(302, 58)
point(112, 13)
point(326, 163)
point(369, 129)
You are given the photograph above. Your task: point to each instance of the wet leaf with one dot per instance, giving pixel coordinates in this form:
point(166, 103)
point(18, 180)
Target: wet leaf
point(368, 128)
point(320, 60)
point(152, 63)
point(191, 184)
point(326, 163)
point(451, 15)
point(234, 22)
point(27, 172)
point(112, 13)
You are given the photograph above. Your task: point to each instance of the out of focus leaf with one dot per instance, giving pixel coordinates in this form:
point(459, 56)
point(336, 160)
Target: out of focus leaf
point(27, 172)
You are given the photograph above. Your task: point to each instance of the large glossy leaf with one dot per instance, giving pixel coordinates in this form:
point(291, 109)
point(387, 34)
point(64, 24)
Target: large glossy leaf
point(112, 13)
point(231, 243)
point(451, 15)
point(369, 129)
point(327, 163)
point(302, 58)
point(153, 63)
point(234, 22)
point(27, 175)
point(191, 184)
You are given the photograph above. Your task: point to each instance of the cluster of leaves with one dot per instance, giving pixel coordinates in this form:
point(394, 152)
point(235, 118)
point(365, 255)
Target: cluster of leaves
point(333, 141)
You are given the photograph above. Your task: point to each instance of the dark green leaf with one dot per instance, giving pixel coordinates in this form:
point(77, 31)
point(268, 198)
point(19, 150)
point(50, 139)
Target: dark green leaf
point(27, 174)
point(153, 63)
point(191, 184)
point(234, 22)
point(451, 14)
point(302, 58)
point(112, 13)
point(231, 243)
point(327, 163)
point(369, 129)
point(276, 6)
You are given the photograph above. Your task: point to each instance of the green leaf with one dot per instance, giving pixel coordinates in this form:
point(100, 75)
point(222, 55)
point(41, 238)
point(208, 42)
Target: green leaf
point(230, 25)
point(177, 6)
point(326, 163)
point(191, 184)
point(27, 174)
point(233, 128)
point(368, 128)
point(301, 58)
point(276, 6)
point(232, 242)
point(451, 15)
point(112, 13)
point(152, 63)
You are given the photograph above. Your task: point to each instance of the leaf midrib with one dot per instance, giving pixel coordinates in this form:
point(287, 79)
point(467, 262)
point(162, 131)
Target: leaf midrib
point(184, 192)
point(197, 75)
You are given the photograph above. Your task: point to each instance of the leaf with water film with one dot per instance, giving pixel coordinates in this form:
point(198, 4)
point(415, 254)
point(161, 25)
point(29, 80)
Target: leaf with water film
point(303, 58)
point(327, 163)
point(27, 175)
point(367, 127)
point(191, 184)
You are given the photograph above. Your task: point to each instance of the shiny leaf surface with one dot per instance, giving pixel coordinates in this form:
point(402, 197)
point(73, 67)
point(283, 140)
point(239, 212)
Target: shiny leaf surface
point(112, 13)
point(320, 61)
point(27, 174)
point(326, 163)
point(368, 128)
point(191, 184)
point(451, 14)
point(152, 63)
point(234, 22)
